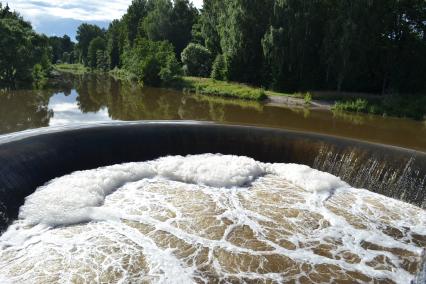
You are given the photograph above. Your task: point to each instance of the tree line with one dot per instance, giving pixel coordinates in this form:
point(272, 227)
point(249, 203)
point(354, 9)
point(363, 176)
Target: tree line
point(24, 54)
point(285, 45)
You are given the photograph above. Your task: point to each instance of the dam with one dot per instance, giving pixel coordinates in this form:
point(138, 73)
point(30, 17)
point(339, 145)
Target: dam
point(280, 206)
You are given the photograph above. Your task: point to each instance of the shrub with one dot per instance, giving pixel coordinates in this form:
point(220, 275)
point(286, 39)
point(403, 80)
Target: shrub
point(197, 60)
point(219, 69)
point(151, 62)
point(308, 98)
point(39, 76)
point(359, 105)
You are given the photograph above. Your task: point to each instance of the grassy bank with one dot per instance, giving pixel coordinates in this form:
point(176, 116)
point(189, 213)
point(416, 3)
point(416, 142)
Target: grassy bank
point(207, 86)
point(408, 106)
point(77, 69)
point(399, 106)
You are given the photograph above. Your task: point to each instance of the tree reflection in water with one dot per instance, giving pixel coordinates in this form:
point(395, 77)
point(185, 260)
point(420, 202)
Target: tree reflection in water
point(20, 110)
point(99, 98)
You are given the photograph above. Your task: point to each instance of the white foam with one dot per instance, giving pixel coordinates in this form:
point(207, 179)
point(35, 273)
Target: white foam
point(145, 207)
point(75, 198)
point(211, 170)
point(321, 184)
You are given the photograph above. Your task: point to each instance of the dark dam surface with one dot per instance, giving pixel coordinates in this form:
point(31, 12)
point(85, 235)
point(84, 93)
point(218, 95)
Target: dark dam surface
point(30, 160)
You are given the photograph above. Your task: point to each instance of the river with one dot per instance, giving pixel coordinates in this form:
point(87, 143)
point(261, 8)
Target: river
point(96, 98)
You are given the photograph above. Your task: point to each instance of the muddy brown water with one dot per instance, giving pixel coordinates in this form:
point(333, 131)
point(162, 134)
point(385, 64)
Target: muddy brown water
point(101, 98)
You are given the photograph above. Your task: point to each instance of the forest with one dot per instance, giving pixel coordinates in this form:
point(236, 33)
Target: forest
point(368, 46)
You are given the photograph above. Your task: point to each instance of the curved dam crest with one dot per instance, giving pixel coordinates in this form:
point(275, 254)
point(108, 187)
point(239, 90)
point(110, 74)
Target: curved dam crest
point(32, 160)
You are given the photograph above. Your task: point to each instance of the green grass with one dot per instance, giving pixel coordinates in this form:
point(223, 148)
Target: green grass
point(359, 105)
point(207, 86)
point(307, 98)
point(77, 69)
point(409, 106)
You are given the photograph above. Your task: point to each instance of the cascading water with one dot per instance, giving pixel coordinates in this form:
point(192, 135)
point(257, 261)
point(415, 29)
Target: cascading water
point(211, 218)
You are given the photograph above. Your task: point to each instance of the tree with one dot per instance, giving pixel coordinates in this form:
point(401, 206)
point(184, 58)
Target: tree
point(239, 26)
point(184, 16)
point(102, 60)
point(96, 45)
point(136, 12)
point(197, 60)
point(59, 46)
point(210, 18)
point(20, 50)
point(152, 62)
point(114, 43)
point(157, 25)
point(85, 34)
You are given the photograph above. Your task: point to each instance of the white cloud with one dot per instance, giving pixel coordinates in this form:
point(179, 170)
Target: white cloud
point(84, 10)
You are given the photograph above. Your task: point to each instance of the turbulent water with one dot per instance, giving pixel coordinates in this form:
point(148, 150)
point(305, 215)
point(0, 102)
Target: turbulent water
point(210, 219)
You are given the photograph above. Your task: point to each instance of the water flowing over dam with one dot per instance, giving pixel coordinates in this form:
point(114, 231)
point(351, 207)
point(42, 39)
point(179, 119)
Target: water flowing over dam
point(273, 206)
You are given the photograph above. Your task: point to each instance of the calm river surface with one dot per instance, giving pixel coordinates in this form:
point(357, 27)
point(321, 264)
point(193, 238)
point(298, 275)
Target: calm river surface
point(100, 99)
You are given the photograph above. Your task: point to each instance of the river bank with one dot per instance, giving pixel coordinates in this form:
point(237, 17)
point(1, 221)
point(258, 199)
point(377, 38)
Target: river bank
point(404, 106)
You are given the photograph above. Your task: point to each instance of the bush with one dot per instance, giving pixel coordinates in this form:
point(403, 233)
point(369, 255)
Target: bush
point(219, 71)
point(151, 62)
point(197, 60)
point(359, 105)
point(307, 98)
point(39, 76)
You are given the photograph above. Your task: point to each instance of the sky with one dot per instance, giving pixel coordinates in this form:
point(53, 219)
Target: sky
point(58, 17)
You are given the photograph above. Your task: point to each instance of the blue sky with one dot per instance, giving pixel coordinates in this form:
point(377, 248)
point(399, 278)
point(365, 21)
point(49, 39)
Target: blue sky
point(56, 17)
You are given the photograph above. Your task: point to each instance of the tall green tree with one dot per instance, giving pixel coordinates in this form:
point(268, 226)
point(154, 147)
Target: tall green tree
point(115, 43)
point(157, 25)
point(97, 48)
point(85, 34)
point(184, 16)
point(59, 46)
point(241, 26)
point(21, 49)
point(136, 12)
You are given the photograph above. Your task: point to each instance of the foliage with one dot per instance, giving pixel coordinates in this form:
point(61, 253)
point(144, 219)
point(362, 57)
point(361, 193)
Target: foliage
point(307, 98)
point(20, 50)
point(359, 46)
point(102, 60)
point(157, 23)
point(96, 48)
point(197, 60)
point(212, 87)
point(171, 21)
point(77, 69)
point(122, 74)
point(85, 34)
point(62, 49)
point(359, 105)
point(152, 62)
point(395, 105)
point(148, 22)
point(184, 15)
point(39, 76)
point(219, 71)
point(238, 26)
point(114, 44)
